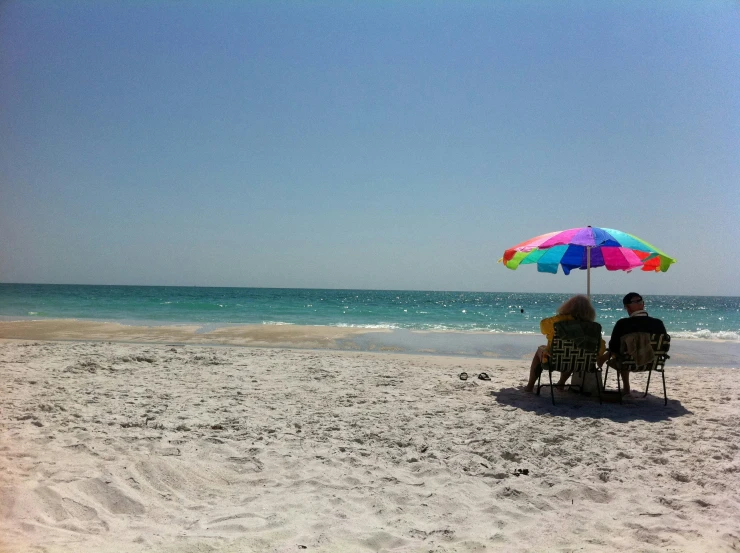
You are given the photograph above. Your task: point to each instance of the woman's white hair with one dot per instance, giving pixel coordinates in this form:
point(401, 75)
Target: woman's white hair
point(579, 307)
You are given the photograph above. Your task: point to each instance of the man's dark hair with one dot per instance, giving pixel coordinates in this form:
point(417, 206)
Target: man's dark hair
point(629, 298)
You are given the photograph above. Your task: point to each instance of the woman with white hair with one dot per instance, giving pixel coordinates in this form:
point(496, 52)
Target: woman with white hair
point(577, 308)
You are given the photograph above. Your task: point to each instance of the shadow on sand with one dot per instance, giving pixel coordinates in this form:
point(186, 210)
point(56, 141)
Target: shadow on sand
point(574, 405)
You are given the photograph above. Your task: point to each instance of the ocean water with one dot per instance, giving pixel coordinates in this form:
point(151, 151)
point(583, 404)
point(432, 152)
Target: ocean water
point(687, 317)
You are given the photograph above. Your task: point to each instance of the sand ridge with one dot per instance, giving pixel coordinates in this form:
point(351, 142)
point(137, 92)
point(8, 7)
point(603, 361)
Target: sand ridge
point(153, 447)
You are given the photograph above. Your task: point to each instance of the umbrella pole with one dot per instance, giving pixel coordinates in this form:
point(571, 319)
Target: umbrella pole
point(588, 271)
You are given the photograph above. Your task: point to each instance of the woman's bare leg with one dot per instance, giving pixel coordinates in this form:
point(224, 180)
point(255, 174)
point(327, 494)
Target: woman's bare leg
point(563, 377)
point(535, 369)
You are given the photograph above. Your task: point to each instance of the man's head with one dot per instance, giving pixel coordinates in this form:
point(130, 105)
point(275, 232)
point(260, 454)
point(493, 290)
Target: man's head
point(633, 302)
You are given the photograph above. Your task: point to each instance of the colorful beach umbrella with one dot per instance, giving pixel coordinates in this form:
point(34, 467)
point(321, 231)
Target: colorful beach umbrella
point(584, 248)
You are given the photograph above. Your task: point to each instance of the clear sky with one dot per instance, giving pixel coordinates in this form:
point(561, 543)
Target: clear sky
point(366, 144)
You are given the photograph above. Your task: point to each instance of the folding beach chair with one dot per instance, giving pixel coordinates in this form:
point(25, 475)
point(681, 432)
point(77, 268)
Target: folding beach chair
point(660, 343)
point(567, 356)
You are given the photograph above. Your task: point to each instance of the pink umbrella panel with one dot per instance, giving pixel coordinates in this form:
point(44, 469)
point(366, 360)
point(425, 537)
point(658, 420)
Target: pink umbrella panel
point(570, 249)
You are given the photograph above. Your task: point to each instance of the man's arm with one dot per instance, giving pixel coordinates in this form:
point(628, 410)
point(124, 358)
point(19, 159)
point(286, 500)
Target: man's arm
point(662, 326)
point(615, 340)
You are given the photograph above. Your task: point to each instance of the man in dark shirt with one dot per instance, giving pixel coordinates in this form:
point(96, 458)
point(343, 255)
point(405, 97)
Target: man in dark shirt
point(638, 321)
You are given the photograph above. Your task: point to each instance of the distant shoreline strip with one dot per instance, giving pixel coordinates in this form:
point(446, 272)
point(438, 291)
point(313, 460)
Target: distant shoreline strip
point(691, 352)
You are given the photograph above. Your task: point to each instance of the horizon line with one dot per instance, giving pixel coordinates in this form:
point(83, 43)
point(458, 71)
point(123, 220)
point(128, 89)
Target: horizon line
point(345, 289)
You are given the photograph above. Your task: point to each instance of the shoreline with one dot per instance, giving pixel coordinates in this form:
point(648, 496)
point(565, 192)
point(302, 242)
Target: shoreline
point(703, 335)
point(474, 344)
point(203, 327)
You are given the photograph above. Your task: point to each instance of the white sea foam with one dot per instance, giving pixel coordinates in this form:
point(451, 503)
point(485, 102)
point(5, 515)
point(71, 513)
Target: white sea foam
point(370, 326)
point(724, 335)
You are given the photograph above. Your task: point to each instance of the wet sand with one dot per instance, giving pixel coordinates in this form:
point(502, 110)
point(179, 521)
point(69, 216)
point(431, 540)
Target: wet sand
point(685, 353)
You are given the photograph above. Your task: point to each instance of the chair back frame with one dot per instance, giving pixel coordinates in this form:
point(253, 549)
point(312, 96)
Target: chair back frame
point(660, 343)
point(566, 356)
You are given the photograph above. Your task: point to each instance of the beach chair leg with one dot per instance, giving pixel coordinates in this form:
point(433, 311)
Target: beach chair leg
point(539, 379)
point(665, 394)
point(582, 387)
point(552, 388)
point(647, 386)
point(619, 387)
point(606, 374)
point(597, 376)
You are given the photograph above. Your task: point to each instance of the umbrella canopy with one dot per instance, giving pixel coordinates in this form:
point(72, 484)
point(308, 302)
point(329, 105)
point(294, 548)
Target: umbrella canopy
point(586, 247)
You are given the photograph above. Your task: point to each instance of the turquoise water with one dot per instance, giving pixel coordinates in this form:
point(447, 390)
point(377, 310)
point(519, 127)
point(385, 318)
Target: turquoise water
point(690, 317)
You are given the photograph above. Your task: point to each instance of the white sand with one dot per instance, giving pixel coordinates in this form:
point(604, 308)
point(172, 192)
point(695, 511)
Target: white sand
point(116, 447)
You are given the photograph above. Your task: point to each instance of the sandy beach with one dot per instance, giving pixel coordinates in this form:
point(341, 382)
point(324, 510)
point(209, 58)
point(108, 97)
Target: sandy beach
point(126, 446)
point(247, 248)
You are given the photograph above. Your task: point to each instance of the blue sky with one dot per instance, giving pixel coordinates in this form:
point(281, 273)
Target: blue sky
point(400, 145)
